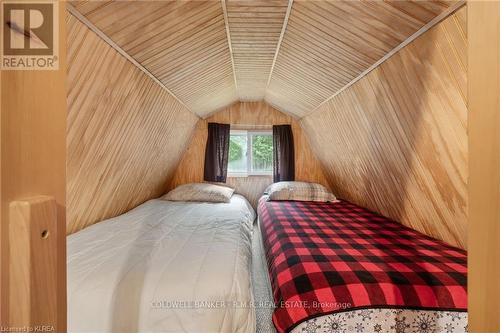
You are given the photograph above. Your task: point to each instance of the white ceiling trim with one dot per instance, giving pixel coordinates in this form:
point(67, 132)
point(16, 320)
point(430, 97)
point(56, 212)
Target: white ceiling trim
point(283, 29)
point(73, 11)
point(449, 11)
point(228, 33)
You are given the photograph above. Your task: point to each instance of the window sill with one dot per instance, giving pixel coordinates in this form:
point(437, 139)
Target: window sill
point(246, 175)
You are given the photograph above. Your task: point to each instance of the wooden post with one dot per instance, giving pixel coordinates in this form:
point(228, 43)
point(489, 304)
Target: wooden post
point(33, 262)
point(484, 165)
point(33, 166)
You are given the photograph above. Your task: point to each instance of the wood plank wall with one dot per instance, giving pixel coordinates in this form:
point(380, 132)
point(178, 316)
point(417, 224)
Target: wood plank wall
point(396, 141)
point(248, 115)
point(125, 133)
point(484, 165)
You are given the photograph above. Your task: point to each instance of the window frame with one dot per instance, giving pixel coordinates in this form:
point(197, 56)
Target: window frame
point(249, 156)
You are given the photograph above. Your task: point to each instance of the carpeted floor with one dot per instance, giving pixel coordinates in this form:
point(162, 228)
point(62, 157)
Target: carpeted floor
point(261, 285)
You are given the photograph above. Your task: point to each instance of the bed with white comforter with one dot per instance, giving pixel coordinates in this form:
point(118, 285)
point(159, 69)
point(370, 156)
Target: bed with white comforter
point(164, 267)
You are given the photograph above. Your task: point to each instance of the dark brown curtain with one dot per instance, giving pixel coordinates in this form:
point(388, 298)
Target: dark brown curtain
point(284, 154)
point(217, 153)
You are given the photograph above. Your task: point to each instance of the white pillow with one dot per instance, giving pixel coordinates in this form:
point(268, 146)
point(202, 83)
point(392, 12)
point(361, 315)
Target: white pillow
point(299, 191)
point(201, 192)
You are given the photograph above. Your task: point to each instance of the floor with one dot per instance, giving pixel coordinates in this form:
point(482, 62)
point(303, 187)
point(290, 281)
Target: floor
point(261, 285)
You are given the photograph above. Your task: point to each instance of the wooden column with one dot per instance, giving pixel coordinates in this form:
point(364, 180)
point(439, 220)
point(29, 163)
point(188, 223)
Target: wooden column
point(33, 194)
point(33, 239)
point(484, 165)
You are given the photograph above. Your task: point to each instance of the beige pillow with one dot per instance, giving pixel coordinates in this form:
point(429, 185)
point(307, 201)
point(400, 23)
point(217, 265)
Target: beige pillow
point(201, 192)
point(299, 191)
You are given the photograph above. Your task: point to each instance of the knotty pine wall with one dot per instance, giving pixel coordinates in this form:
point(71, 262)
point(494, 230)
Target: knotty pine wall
point(125, 133)
point(396, 141)
point(248, 115)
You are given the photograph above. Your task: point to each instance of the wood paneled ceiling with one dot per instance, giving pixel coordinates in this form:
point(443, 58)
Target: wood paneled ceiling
point(182, 43)
point(293, 54)
point(255, 29)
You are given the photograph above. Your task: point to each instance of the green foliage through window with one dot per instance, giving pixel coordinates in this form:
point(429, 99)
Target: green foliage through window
point(238, 153)
point(235, 150)
point(262, 152)
point(259, 160)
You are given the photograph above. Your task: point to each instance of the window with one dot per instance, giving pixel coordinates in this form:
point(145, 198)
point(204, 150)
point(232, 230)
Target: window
point(250, 153)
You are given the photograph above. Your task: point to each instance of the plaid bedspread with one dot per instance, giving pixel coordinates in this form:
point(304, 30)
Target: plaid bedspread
point(332, 257)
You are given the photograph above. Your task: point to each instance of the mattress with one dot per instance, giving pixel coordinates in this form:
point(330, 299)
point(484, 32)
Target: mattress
point(337, 267)
point(164, 267)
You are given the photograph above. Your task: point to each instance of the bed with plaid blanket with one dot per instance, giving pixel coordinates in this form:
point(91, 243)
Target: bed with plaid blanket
point(337, 267)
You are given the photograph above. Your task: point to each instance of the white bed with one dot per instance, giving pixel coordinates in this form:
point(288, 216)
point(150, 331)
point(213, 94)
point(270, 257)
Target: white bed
point(164, 267)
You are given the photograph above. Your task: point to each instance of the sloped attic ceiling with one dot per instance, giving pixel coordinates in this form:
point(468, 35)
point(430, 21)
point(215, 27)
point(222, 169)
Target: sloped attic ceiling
point(295, 55)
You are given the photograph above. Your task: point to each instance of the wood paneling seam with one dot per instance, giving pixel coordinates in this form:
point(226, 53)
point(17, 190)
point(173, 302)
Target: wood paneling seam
point(228, 33)
point(293, 115)
point(219, 110)
point(283, 30)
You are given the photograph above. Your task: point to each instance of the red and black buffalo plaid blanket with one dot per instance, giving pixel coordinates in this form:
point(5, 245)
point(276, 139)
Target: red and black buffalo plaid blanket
point(329, 257)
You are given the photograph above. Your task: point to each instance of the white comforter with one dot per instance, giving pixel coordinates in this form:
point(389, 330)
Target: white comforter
point(164, 267)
